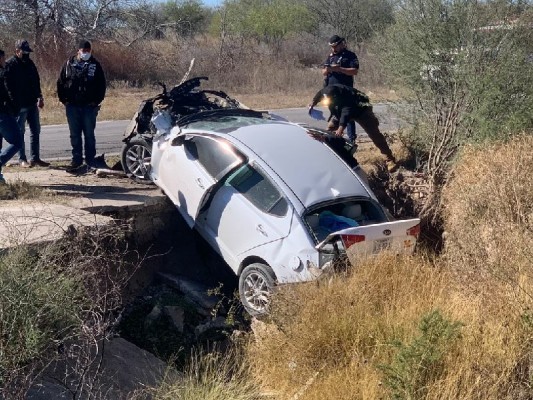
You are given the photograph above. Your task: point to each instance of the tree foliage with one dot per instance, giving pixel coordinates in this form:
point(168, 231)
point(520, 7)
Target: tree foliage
point(468, 68)
point(190, 16)
point(267, 21)
point(356, 20)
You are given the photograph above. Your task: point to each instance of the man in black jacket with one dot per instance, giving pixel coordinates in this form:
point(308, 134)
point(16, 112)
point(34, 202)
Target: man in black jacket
point(349, 104)
point(8, 110)
point(81, 88)
point(30, 98)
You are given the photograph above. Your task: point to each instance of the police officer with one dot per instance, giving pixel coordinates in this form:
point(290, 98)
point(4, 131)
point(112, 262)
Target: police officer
point(339, 69)
point(349, 104)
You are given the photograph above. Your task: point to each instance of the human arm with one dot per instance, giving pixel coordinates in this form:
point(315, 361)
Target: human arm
point(61, 81)
point(101, 84)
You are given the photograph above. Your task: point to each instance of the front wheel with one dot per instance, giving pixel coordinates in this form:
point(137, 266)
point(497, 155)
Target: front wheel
point(256, 284)
point(136, 155)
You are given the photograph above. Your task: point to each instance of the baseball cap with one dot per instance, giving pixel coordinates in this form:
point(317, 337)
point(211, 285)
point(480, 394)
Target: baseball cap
point(84, 44)
point(22, 44)
point(335, 40)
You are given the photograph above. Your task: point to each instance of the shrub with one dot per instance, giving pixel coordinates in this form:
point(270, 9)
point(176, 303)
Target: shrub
point(419, 363)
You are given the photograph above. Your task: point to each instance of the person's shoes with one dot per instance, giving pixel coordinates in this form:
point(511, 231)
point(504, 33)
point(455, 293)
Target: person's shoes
point(39, 163)
point(73, 166)
point(24, 164)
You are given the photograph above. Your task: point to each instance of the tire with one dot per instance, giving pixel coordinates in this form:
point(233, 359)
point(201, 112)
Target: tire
point(256, 284)
point(135, 158)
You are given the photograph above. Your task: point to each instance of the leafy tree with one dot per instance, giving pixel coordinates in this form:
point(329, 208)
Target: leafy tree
point(267, 21)
point(190, 16)
point(356, 20)
point(466, 66)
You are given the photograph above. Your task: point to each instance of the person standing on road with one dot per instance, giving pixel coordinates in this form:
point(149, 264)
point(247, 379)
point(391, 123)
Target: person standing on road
point(81, 87)
point(30, 98)
point(340, 67)
point(349, 104)
point(8, 110)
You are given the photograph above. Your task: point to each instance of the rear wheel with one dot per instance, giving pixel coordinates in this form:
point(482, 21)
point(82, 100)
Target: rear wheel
point(256, 284)
point(135, 157)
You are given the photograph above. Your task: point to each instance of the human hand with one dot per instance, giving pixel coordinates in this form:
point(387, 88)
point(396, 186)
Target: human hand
point(339, 132)
point(40, 102)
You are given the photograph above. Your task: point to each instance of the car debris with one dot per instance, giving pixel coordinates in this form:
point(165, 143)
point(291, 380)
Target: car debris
point(182, 100)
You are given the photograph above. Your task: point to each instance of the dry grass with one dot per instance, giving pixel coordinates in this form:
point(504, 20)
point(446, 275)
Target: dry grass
point(489, 214)
point(209, 376)
point(335, 334)
point(22, 190)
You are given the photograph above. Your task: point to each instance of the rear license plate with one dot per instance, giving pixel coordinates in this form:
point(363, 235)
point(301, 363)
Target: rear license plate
point(382, 244)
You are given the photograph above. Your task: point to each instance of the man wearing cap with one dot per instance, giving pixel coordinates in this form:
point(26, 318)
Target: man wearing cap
point(81, 87)
point(349, 104)
point(9, 108)
point(340, 68)
point(29, 97)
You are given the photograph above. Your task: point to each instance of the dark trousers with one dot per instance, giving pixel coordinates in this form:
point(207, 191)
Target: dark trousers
point(369, 122)
point(9, 132)
point(82, 120)
point(31, 115)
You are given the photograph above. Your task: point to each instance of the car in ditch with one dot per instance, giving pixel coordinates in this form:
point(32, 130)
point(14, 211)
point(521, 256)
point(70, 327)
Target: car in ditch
point(183, 99)
point(277, 204)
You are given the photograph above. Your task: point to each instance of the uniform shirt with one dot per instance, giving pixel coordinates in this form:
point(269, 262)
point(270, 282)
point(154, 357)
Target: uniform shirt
point(345, 59)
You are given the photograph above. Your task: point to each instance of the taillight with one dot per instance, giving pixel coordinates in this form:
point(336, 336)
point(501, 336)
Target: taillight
point(414, 231)
point(349, 240)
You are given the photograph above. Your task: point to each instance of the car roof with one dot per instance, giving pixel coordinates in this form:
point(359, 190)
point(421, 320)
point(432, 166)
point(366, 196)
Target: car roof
point(309, 168)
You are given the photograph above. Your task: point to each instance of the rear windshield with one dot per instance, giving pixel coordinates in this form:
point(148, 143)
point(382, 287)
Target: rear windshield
point(225, 123)
point(330, 218)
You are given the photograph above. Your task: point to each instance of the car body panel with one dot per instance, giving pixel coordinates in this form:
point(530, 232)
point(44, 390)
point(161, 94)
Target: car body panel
point(374, 238)
point(232, 225)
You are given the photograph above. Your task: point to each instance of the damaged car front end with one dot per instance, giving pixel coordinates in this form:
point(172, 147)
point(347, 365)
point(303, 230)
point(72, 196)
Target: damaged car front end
point(182, 100)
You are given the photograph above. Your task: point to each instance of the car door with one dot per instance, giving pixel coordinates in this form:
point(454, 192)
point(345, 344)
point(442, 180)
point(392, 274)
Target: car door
point(190, 169)
point(247, 210)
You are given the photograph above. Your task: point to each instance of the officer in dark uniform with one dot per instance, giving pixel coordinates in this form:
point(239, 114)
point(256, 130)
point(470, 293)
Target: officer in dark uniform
point(349, 104)
point(339, 69)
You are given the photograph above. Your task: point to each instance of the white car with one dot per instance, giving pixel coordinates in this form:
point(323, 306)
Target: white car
point(278, 205)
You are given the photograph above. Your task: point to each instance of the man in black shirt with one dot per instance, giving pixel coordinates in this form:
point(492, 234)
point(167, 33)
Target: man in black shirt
point(81, 87)
point(30, 99)
point(9, 108)
point(340, 67)
point(349, 104)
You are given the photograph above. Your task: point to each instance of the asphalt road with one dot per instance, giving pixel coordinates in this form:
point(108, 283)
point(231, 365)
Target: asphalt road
point(55, 143)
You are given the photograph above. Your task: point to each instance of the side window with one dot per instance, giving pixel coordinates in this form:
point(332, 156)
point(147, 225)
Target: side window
point(255, 186)
point(216, 155)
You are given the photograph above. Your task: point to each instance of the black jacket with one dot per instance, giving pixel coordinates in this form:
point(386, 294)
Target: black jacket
point(8, 105)
point(81, 82)
point(25, 77)
point(345, 102)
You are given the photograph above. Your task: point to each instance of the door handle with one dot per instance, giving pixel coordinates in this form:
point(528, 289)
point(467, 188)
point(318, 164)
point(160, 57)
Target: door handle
point(261, 230)
point(199, 183)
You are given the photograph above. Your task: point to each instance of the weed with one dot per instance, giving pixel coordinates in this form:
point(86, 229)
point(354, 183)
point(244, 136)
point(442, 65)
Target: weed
point(417, 364)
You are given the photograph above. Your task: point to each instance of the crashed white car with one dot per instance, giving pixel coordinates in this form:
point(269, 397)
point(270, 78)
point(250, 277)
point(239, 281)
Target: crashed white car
point(278, 205)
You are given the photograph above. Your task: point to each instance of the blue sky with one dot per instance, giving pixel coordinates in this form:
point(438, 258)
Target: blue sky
point(212, 3)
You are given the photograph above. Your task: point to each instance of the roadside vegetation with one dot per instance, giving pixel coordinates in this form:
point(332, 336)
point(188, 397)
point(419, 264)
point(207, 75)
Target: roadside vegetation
point(22, 190)
point(452, 321)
